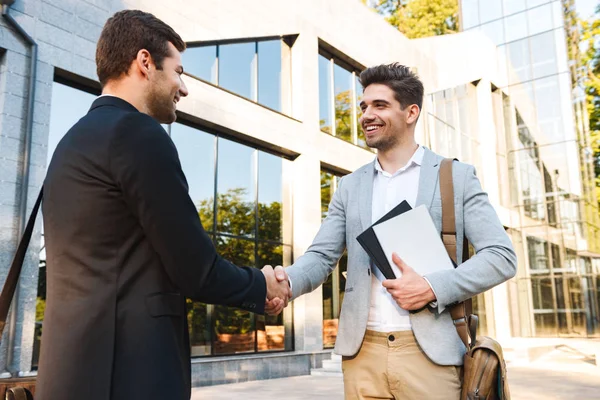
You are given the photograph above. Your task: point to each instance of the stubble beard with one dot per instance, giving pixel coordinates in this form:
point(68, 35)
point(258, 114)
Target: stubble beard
point(382, 144)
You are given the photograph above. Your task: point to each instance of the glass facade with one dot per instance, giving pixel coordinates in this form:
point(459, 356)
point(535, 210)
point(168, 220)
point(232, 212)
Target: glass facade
point(256, 70)
point(339, 97)
point(248, 215)
point(334, 287)
point(542, 166)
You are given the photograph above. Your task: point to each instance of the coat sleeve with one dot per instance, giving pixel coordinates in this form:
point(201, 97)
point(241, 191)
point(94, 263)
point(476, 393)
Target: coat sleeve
point(146, 167)
point(495, 260)
point(314, 266)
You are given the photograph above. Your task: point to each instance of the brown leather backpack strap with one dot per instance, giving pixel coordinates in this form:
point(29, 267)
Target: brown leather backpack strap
point(8, 291)
point(461, 311)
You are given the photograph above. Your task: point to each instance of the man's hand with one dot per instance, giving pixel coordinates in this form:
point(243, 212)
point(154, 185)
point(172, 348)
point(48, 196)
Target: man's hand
point(411, 291)
point(278, 289)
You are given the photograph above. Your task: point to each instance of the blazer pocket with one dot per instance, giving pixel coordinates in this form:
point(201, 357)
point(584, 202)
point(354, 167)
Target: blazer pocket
point(165, 304)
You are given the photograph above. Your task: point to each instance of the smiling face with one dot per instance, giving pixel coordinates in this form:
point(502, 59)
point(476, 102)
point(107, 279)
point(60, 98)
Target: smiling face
point(383, 120)
point(166, 88)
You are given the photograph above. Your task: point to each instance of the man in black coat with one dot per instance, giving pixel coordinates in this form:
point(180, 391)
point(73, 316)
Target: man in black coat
point(124, 242)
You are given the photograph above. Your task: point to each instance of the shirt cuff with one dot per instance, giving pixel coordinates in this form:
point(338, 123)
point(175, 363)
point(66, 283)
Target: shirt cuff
point(434, 303)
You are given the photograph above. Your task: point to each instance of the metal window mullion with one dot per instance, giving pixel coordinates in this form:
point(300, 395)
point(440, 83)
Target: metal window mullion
point(217, 66)
point(255, 72)
point(255, 183)
point(210, 308)
point(332, 96)
point(354, 113)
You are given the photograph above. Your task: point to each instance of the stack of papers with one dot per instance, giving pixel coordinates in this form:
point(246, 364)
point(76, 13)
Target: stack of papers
point(412, 235)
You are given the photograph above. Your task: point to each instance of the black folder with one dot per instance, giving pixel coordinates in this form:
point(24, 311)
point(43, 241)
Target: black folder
point(368, 240)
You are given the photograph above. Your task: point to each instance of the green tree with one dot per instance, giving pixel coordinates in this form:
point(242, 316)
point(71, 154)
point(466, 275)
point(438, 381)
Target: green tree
point(590, 37)
point(419, 18)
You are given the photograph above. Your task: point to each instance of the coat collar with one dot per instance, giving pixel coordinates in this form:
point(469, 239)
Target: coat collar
point(114, 101)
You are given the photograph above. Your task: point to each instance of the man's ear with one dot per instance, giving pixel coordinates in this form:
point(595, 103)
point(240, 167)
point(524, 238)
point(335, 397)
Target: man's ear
point(144, 63)
point(413, 114)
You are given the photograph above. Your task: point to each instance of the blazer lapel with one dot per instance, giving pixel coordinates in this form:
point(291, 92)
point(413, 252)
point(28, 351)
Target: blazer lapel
point(428, 178)
point(365, 196)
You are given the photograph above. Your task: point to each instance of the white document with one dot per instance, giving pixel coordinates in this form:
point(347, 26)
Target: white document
point(413, 236)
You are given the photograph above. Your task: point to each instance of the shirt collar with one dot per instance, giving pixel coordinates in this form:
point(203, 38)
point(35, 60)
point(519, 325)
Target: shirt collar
point(416, 159)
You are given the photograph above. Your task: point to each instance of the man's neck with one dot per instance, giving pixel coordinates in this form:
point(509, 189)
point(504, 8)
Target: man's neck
point(121, 91)
point(397, 157)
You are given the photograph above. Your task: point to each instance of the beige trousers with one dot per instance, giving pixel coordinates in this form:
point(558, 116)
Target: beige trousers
point(393, 366)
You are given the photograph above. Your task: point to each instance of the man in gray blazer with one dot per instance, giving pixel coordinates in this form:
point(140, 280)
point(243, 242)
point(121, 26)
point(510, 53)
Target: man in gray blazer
point(397, 337)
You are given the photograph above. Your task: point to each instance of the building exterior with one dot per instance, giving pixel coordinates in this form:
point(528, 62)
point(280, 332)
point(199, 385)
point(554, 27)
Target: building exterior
point(269, 126)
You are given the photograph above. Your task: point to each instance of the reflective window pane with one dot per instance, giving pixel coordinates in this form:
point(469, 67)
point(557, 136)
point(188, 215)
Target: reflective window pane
point(235, 189)
point(271, 334)
point(325, 94)
point(540, 19)
point(558, 14)
point(545, 324)
point(515, 27)
point(538, 255)
point(327, 187)
point(470, 13)
point(201, 62)
point(269, 74)
point(199, 328)
point(197, 155)
point(68, 106)
point(513, 6)
point(234, 330)
point(489, 10)
point(518, 53)
point(543, 55)
point(343, 103)
point(237, 66)
point(535, 3)
point(361, 140)
point(548, 108)
point(270, 196)
point(495, 31)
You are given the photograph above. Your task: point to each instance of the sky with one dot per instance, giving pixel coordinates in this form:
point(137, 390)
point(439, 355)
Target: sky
point(585, 8)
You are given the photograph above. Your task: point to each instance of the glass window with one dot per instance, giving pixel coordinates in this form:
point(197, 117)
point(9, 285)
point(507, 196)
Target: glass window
point(361, 139)
point(495, 31)
point(540, 19)
point(561, 50)
point(271, 335)
point(269, 74)
point(201, 62)
point(541, 289)
point(519, 55)
point(470, 13)
point(548, 109)
point(515, 27)
point(237, 66)
point(535, 3)
point(489, 10)
point(234, 329)
point(270, 197)
point(543, 55)
point(558, 13)
point(197, 156)
point(514, 6)
point(538, 255)
point(236, 189)
point(343, 103)
point(325, 94)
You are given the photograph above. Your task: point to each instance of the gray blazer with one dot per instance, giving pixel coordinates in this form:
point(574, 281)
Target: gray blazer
point(350, 214)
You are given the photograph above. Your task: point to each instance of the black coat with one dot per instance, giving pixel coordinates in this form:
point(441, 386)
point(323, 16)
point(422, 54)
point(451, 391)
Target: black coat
point(124, 247)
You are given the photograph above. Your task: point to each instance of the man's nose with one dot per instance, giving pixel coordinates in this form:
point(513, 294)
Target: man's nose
point(183, 91)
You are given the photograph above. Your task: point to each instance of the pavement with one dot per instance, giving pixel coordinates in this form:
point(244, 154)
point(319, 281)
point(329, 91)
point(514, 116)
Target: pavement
point(570, 371)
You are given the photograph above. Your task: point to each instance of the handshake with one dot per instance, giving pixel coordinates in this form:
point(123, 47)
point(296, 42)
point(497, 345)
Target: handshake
point(279, 291)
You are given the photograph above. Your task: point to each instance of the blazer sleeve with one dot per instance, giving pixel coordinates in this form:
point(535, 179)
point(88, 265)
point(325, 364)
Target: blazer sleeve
point(495, 260)
point(313, 267)
point(146, 167)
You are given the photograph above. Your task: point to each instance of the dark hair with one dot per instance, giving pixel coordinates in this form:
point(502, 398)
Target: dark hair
point(124, 35)
point(407, 87)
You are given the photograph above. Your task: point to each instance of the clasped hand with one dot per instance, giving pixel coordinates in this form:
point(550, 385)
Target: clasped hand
point(279, 292)
point(411, 291)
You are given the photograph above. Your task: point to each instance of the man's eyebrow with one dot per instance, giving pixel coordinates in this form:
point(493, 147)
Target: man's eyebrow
point(381, 101)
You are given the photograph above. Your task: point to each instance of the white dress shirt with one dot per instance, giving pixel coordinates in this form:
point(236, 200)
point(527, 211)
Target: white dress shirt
point(389, 190)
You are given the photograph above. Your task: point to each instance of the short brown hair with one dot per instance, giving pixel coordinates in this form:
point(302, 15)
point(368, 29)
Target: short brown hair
point(407, 87)
point(124, 35)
